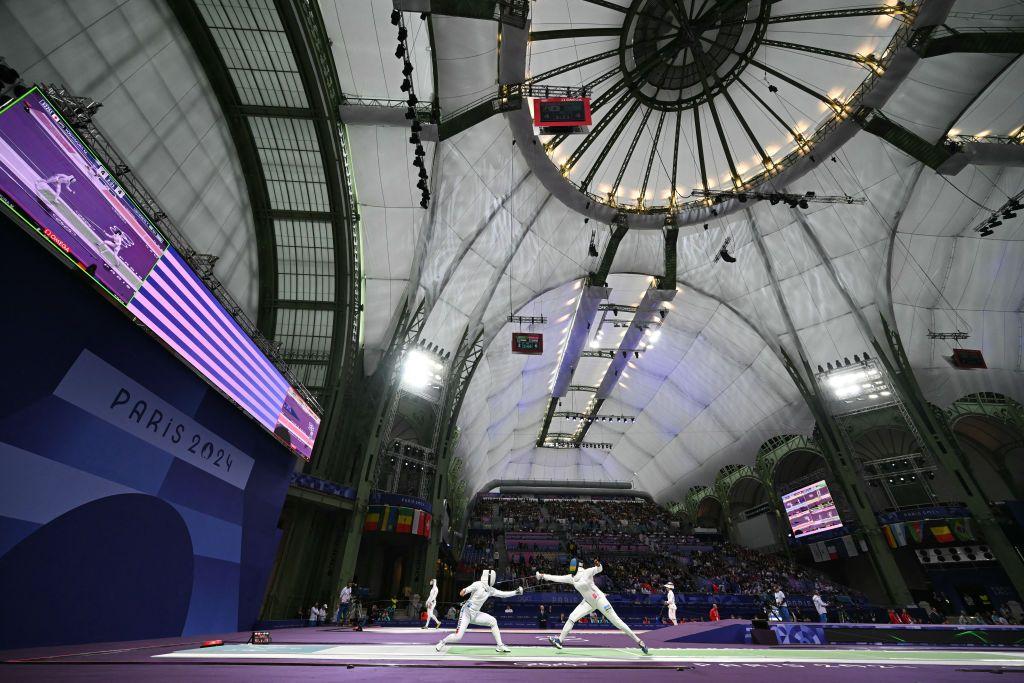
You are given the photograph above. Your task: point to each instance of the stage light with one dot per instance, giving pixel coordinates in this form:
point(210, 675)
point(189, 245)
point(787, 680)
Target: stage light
point(396, 17)
point(418, 161)
point(424, 202)
point(423, 173)
point(418, 369)
point(421, 184)
point(403, 33)
point(410, 114)
point(407, 68)
point(412, 99)
point(419, 151)
point(400, 51)
point(995, 223)
point(802, 204)
point(1007, 215)
point(406, 85)
point(414, 139)
point(416, 127)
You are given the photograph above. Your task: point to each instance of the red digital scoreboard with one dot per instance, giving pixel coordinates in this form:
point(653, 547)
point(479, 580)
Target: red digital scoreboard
point(530, 343)
point(561, 112)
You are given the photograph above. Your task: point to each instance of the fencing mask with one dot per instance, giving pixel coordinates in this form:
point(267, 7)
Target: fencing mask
point(488, 577)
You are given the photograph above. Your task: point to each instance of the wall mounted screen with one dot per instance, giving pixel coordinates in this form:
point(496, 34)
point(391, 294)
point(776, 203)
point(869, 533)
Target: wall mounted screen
point(53, 183)
point(811, 510)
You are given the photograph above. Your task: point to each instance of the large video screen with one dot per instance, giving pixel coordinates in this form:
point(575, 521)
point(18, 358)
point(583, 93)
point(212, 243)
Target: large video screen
point(56, 186)
point(811, 510)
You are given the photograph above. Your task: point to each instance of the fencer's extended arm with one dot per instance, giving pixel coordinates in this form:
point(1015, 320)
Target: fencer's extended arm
point(505, 594)
point(564, 578)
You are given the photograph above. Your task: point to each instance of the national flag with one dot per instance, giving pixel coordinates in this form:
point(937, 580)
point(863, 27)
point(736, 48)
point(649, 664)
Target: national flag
point(887, 530)
point(962, 529)
point(404, 523)
point(372, 522)
point(942, 533)
point(817, 552)
point(833, 552)
point(899, 532)
point(916, 530)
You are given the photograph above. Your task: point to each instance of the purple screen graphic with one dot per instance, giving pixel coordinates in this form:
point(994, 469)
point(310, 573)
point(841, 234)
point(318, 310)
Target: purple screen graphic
point(52, 182)
point(811, 510)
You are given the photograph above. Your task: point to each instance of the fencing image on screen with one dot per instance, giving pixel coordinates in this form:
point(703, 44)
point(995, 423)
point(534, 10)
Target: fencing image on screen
point(56, 186)
point(811, 510)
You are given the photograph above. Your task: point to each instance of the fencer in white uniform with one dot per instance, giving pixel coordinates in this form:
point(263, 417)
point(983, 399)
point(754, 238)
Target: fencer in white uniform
point(593, 599)
point(431, 605)
point(670, 600)
point(476, 595)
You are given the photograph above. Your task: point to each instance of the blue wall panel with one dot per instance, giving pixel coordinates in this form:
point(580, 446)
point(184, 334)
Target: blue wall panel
point(110, 528)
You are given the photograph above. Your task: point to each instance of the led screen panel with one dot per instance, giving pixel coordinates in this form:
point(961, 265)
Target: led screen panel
point(811, 510)
point(56, 186)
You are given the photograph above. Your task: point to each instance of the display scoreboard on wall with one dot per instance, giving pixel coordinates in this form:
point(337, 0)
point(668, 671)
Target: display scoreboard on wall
point(811, 510)
point(58, 189)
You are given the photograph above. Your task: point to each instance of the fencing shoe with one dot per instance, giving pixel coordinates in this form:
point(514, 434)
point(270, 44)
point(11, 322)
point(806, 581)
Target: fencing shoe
point(502, 648)
point(557, 642)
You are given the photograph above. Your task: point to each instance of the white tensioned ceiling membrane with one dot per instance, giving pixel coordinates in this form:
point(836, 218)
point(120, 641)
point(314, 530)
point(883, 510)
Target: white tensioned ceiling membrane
point(812, 282)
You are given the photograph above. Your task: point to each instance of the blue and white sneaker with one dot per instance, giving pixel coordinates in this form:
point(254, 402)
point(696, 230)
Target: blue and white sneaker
point(643, 648)
point(557, 642)
point(502, 648)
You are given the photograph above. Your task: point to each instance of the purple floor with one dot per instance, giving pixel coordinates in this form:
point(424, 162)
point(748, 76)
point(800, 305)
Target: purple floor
point(134, 661)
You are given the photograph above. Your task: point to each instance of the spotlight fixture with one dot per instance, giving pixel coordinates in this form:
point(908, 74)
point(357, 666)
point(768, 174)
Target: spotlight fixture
point(802, 204)
point(410, 114)
point(416, 127)
point(407, 68)
point(724, 254)
point(396, 17)
point(412, 99)
point(423, 173)
point(414, 139)
point(1007, 215)
point(418, 162)
point(419, 151)
point(421, 184)
point(423, 202)
point(403, 33)
point(772, 89)
point(400, 51)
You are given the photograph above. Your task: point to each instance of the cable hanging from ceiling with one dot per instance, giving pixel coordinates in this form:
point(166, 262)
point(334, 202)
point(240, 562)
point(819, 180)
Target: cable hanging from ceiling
point(402, 52)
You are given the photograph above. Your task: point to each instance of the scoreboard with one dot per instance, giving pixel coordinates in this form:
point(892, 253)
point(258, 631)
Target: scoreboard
point(561, 112)
point(530, 343)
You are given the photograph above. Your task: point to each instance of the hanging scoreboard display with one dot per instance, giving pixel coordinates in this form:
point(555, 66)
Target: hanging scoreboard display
point(561, 112)
point(530, 343)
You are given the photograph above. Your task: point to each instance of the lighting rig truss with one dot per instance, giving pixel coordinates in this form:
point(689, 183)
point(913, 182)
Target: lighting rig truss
point(569, 415)
point(528, 319)
point(609, 353)
point(402, 52)
point(794, 200)
point(1004, 213)
point(956, 336)
point(564, 445)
